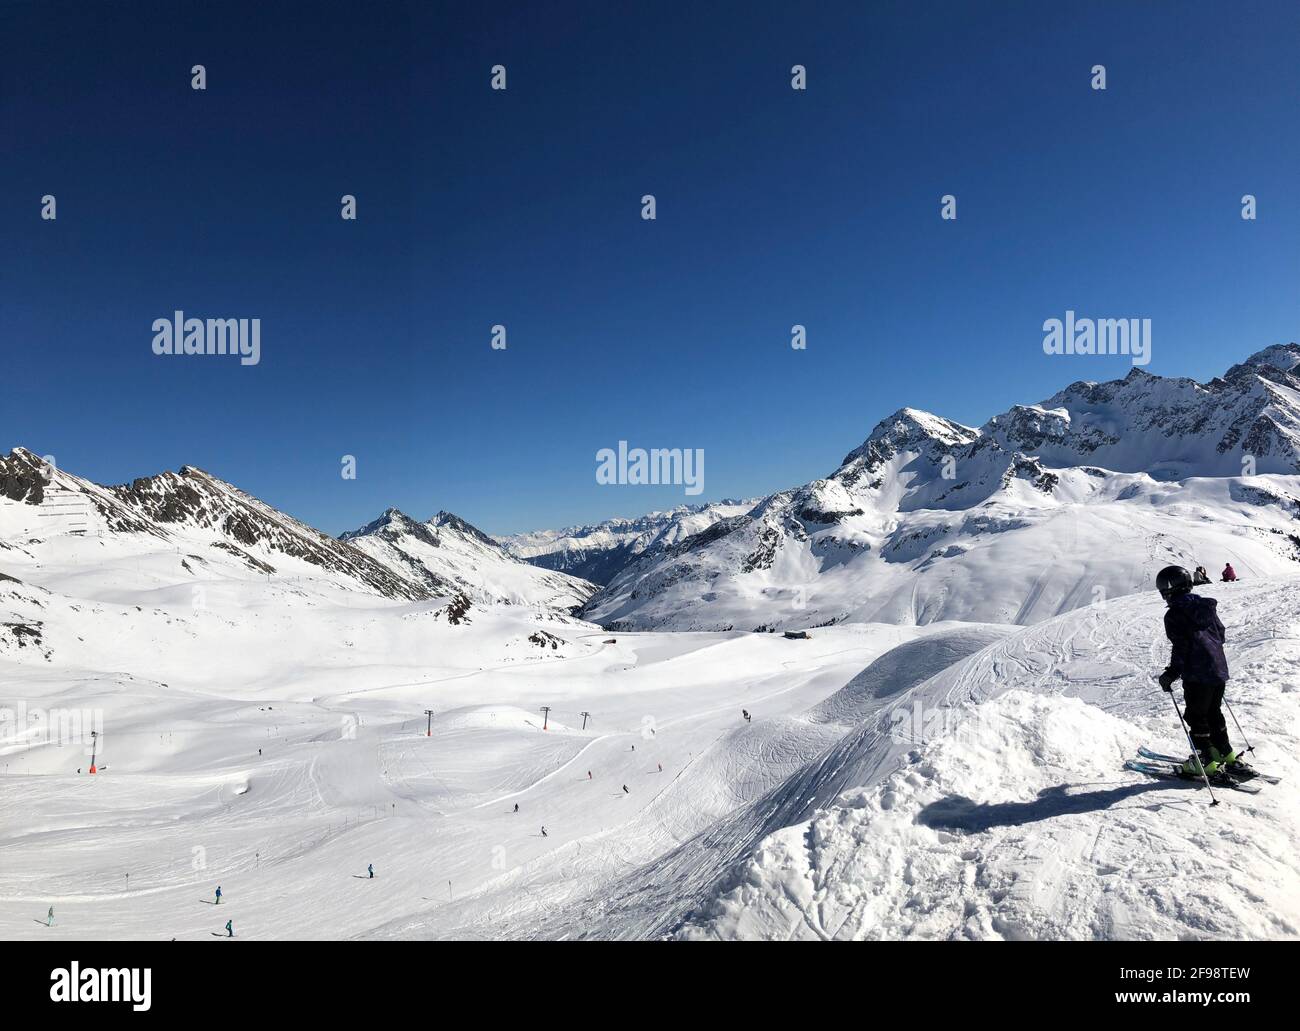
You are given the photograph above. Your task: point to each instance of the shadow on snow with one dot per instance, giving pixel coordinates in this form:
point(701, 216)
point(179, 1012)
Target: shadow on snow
point(959, 813)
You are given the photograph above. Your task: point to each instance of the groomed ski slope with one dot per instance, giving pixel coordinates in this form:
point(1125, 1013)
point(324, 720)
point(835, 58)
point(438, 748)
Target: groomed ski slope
point(952, 780)
point(274, 742)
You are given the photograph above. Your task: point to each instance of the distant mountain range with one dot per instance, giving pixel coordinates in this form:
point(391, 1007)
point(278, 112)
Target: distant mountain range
point(1044, 508)
point(601, 551)
point(211, 527)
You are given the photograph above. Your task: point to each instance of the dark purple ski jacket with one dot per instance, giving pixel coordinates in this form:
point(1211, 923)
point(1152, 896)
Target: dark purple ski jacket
point(1193, 628)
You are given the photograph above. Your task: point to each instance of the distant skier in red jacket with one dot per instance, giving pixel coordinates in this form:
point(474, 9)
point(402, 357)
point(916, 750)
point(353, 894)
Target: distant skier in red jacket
point(1229, 574)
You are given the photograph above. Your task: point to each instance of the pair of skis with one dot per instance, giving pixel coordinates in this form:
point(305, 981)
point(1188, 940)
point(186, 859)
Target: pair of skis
point(1169, 767)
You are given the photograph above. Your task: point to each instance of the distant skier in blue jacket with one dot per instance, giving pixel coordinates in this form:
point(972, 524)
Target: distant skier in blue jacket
point(218, 894)
point(371, 868)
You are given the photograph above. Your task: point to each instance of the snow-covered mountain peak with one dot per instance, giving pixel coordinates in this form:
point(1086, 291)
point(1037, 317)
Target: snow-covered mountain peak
point(910, 429)
point(914, 423)
point(1029, 424)
point(392, 522)
point(23, 476)
point(907, 434)
point(454, 522)
point(1282, 357)
point(448, 554)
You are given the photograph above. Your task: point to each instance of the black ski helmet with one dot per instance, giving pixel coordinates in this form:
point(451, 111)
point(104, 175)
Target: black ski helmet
point(1172, 581)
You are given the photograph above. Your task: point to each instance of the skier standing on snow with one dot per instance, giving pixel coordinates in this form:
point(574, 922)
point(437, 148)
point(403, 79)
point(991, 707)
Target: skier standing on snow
point(49, 918)
point(1229, 574)
point(230, 930)
point(371, 869)
point(544, 834)
point(218, 894)
point(625, 790)
point(1193, 628)
point(516, 807)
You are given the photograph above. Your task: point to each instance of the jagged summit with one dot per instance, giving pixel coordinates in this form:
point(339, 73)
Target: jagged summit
point(455, 522)
point(908, 429)
point(1283, 357)
point(915, 424)
point(392, 520)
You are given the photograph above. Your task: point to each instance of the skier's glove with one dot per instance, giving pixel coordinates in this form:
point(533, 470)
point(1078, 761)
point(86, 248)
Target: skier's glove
point(1167, 679)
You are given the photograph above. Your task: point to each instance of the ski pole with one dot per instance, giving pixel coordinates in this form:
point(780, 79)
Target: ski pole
point(1249, 746)
point(1188, 734)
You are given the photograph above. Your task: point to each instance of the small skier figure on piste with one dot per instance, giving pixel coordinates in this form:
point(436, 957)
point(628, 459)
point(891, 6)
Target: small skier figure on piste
point(1196, 634)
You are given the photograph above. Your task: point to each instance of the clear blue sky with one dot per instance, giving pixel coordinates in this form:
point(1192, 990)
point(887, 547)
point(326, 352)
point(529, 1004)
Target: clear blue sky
point(523, 208)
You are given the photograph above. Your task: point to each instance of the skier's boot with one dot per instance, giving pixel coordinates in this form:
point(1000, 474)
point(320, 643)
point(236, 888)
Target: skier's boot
point(1234, 765)
point(1196, 767)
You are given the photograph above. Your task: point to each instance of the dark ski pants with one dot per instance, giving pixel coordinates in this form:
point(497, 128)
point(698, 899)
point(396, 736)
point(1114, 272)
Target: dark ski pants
point(1204, 714)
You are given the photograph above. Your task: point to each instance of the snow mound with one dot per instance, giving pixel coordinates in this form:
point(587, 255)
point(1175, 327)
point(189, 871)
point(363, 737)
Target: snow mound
point(904, 667)
point(499, 717)
point(1016, 824)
